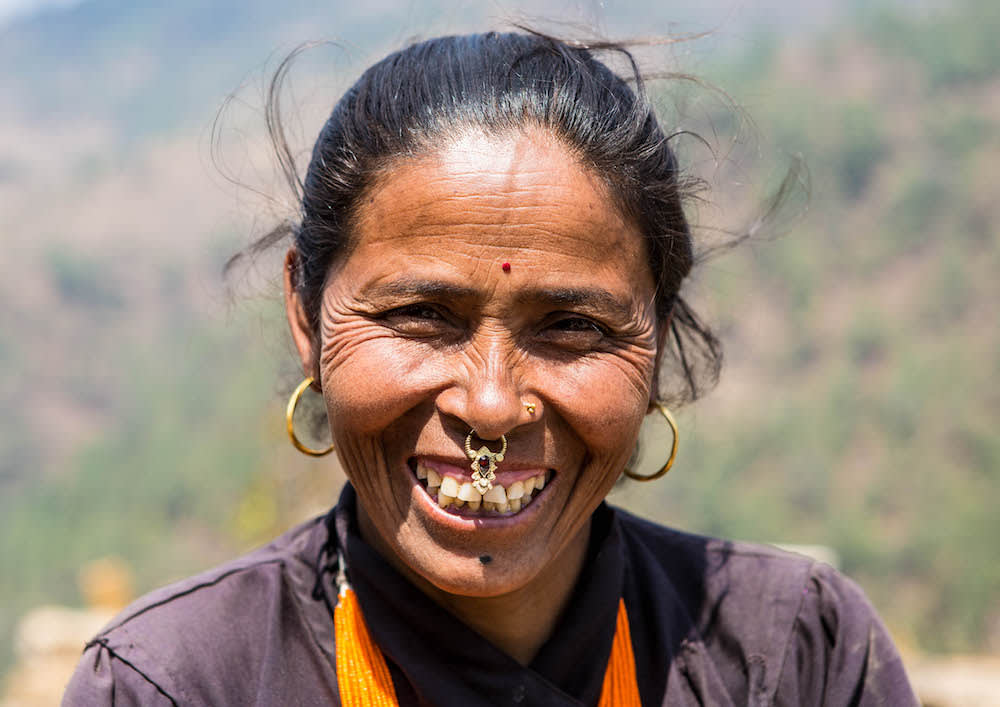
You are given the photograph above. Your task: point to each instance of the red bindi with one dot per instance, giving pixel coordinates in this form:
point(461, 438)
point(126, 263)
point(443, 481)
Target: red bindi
point(506, 267)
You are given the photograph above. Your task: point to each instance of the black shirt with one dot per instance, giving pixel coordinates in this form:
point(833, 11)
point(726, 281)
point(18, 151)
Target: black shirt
point(712, 623)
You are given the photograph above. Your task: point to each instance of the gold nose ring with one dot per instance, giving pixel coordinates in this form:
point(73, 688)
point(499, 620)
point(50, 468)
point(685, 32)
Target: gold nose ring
point(484, 462)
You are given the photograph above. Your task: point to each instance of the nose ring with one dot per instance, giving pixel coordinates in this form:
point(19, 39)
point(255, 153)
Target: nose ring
point(484, 462)
point(530, 407)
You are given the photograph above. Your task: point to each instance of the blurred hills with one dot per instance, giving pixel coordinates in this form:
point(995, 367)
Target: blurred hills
point(145, 66)
point(142, 406)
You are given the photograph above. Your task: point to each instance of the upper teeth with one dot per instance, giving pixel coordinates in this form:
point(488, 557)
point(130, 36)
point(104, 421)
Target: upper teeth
point(449, 491)
point(449, 487)
point(467, 493)
point(497, 494)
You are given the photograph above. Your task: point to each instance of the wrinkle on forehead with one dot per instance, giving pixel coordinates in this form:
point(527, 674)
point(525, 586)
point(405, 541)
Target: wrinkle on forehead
point(489, 185)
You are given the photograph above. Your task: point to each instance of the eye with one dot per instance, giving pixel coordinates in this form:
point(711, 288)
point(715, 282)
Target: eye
point(577, 324)
point(419, 320)
point(573, 332)
point(416, 311)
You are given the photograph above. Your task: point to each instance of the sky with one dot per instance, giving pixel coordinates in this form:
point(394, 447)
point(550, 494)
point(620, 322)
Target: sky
point(9, 9)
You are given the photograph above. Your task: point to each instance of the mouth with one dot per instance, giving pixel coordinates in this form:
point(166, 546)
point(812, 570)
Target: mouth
point(511, 493)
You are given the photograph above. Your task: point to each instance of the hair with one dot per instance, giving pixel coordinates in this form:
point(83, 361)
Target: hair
point(499, 83)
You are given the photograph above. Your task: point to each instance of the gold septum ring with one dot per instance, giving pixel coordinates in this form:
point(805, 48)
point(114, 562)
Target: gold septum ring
point(484, 462)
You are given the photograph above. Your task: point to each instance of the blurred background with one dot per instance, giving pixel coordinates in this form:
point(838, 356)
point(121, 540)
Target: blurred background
point(142, 394)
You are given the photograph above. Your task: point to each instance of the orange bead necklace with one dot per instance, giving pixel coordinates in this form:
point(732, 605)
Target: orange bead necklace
point(364, 681)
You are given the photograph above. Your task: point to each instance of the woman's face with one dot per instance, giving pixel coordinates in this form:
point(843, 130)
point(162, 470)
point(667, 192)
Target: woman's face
point(425, 335)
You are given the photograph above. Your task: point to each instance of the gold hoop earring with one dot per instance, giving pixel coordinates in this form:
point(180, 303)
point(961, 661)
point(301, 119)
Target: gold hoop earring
point(290, 421)
point(673, 450)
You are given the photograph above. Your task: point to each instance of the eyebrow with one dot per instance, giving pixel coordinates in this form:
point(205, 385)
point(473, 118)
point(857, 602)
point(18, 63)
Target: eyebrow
point(595, 299)
point(589, 298)
point(425, 289)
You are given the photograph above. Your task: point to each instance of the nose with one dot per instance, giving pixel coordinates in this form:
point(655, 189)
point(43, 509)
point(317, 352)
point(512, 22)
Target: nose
point(485, 397)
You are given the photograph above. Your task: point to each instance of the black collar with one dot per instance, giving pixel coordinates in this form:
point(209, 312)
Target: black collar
point(444, 662)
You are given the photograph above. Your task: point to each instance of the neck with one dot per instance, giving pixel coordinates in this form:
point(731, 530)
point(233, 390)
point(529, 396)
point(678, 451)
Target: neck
point(518, 622)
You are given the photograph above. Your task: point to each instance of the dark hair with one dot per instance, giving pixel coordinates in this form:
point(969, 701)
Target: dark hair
point(500, 82)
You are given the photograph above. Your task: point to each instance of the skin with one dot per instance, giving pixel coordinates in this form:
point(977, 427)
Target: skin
point(423, 336)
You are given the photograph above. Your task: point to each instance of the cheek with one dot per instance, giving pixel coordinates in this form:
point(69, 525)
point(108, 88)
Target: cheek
point(371, 377)
point(602, 400)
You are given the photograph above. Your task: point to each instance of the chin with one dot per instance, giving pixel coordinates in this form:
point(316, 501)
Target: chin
point(467, 575)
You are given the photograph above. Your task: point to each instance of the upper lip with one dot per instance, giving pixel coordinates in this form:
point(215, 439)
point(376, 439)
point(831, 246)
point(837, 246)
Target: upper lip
point(464, 463)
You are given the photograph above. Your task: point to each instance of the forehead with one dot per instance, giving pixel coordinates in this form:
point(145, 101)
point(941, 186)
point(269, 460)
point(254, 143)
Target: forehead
point(522, 197)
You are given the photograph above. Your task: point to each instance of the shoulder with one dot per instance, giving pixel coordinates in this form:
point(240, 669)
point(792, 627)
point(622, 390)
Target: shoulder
point(839, 650)
point(207, 638)
point(199, 606)
point(707, 570)
point(797, 628)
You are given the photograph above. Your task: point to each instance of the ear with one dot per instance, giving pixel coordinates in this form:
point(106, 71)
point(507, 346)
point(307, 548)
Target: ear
point(298, 322)
point(662, 341)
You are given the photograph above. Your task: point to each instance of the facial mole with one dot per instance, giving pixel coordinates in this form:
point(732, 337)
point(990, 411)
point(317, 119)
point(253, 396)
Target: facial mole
point(485, 559)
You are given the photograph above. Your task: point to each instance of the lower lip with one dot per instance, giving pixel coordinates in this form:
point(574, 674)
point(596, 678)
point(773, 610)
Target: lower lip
point(478, 522)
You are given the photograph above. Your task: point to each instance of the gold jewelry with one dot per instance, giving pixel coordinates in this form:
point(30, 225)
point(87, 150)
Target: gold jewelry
point(530, 407)
point(484, 462)
point(673, 450)
point(290, 421)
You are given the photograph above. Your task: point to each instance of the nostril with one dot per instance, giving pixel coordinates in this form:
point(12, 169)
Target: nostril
point(488, 407)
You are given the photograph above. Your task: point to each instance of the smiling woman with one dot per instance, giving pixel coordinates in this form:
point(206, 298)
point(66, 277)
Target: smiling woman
point(425, 337)
point(484, 287)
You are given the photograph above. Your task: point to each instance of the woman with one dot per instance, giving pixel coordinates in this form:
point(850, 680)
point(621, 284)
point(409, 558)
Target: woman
point(484, 287)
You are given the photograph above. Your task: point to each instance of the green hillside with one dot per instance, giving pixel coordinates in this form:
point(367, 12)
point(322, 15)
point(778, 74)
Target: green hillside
point(860, 408)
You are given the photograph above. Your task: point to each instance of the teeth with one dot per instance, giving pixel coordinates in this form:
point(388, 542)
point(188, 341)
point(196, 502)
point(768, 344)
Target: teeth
point(496, 495)
point(449, 486)
point(449, 491)
point(466, 492)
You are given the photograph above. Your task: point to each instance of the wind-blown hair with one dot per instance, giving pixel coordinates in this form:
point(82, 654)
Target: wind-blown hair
point(498, 83)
